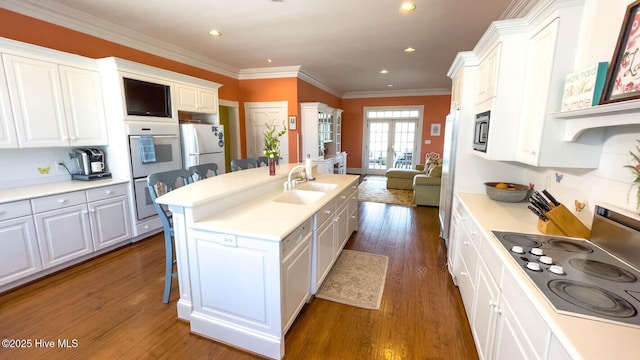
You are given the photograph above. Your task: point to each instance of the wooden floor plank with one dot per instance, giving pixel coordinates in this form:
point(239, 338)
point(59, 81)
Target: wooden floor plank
point(113, 306)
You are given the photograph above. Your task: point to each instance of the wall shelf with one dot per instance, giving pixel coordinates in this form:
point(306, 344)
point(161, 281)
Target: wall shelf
point(601, 116)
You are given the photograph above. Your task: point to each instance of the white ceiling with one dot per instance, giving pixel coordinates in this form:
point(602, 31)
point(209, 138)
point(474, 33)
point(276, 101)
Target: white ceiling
point(341, 44)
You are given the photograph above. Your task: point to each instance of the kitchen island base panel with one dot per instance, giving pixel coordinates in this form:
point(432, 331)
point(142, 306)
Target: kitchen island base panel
point(232, 247)
point(235, 336)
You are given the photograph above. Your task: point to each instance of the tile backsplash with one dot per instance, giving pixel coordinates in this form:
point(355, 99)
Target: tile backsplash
point(611, 183)
point(24, 167)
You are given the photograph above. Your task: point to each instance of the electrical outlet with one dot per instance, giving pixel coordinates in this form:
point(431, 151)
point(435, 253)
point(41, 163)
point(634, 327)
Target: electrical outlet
point(58, 166)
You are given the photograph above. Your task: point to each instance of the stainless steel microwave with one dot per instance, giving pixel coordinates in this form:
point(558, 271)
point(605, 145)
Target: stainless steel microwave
point(481, 133)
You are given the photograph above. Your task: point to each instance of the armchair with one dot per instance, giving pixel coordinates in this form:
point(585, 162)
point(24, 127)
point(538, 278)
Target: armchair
point(426, 187)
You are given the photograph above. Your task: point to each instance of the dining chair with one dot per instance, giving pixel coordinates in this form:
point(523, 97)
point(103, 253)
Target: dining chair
point(243, 164)
point(159, 184)
point(203, 171)
point(264, 161)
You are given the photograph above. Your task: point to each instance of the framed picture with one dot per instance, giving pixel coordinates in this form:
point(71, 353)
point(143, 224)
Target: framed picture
point(623, 76)
point(435, 129)
point(292, 122)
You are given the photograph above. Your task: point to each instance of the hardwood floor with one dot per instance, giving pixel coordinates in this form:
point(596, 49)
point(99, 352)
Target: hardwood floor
point(112, 306)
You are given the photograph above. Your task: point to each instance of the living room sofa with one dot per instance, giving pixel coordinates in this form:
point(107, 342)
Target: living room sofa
point(424, 183)
point(402, 179)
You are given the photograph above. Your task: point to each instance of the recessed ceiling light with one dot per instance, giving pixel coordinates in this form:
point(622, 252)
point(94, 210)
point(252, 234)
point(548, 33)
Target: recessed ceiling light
point(407, 7)
point(215, 33)
point(390, 85)
point(384, 71)
point(409, 50)
point(268, 60)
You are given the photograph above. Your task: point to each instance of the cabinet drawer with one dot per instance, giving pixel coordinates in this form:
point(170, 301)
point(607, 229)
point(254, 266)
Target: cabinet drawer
point(58, 201)
point(469, 254)
point(15, 209)
point(490, 257)
point(106, 192)
point(325, 213)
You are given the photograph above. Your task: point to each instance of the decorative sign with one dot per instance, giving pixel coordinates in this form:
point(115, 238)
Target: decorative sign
point(582, 88)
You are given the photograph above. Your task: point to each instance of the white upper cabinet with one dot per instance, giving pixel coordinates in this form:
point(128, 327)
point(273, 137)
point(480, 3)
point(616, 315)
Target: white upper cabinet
point(55, 105)
point(36, 98)
point(8, 137)
point(488, 75)
point(551, 52)
point(196, 99)
point(84, 106)
point(499, 86)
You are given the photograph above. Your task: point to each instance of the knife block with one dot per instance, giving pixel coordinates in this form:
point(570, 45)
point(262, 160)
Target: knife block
point(563, 222)
point(549, 228)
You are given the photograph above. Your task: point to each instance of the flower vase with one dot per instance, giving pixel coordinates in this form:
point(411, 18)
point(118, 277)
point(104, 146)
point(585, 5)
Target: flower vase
point(272, 166)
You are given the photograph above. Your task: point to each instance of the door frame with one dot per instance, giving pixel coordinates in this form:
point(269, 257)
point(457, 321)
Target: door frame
point(233, 148)
point(365, 130)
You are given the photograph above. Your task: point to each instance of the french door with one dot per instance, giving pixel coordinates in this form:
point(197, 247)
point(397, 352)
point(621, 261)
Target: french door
point(392, 139)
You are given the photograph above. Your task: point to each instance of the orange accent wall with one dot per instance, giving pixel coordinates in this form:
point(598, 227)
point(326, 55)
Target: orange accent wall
point(436, 109)
point(270, 90)
point(310, 93)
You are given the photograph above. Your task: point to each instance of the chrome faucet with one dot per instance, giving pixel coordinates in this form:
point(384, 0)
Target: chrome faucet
point(289, 184)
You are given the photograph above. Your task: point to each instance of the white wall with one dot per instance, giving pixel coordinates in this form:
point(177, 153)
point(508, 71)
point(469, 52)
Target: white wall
point(611, 182)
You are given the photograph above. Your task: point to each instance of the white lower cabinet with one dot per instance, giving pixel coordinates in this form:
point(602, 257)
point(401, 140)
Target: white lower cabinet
point(53, 230)
point(296, 273)
point(332, 229)
point(492, 297)
point(110, 220)
point(485, 312)
point(19, 253)
point(63, 234)
point(323, 253)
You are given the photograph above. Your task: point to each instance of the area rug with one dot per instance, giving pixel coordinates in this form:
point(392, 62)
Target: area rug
point(374, 188)
point(357, 279)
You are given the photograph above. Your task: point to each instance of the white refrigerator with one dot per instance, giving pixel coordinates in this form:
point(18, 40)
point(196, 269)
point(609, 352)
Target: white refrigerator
point(448, 167)
point(203, 144)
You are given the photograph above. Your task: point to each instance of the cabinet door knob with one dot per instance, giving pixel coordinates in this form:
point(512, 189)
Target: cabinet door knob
point(62, 201)
point(327, 211)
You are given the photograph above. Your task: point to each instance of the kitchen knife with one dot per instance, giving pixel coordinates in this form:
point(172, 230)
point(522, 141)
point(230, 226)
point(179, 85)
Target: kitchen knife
point(538, 213)
point(551, 198)
point(543, 203)
point(536, 204)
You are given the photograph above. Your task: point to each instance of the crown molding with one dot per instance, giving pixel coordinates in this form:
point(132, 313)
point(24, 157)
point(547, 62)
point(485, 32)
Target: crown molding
point(462, 59)
point(395, 93)
point(307, 77)
point(269, 72)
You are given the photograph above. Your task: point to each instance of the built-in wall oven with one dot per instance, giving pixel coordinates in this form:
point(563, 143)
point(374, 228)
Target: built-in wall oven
point(153, 147)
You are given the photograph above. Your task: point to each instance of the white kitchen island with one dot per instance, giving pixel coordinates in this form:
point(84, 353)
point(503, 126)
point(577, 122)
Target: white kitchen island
point(247, 251)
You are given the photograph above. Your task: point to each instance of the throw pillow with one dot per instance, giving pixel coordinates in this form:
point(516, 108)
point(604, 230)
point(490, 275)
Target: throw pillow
point(436, 171)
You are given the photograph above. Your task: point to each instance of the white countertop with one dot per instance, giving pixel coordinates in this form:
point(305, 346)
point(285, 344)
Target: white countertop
point(582, 338)
point(259, 217)
point(34, 191)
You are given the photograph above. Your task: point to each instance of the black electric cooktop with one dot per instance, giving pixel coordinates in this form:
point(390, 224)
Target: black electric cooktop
point(578, 277)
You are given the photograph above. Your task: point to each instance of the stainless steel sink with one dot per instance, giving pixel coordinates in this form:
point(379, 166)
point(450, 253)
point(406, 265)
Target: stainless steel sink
point(300, 197)
point(317, 186)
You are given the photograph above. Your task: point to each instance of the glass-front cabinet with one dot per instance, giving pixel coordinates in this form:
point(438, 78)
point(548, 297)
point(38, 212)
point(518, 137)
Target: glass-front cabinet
point(321, 136)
